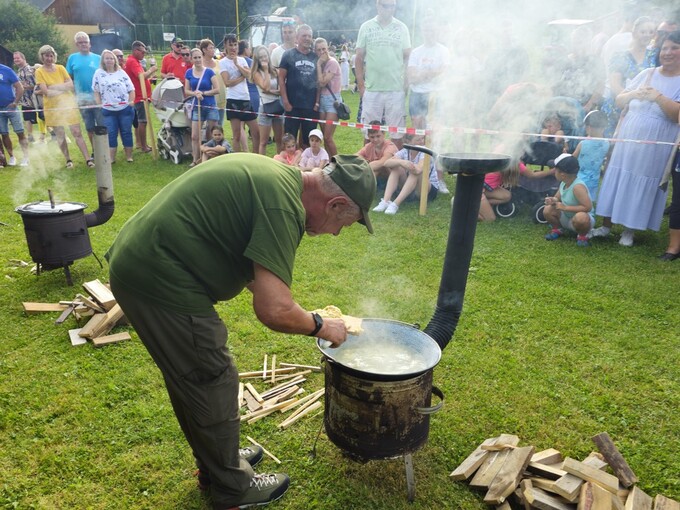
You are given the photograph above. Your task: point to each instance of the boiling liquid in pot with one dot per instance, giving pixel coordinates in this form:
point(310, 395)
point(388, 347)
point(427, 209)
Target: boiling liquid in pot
point(380, 356)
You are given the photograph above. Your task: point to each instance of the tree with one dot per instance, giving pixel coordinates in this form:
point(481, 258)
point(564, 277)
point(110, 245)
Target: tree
point(24, 28)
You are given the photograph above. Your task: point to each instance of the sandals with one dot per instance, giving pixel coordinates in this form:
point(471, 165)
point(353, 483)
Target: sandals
point(69, 164)
point(146, 149)
point(90, 163)
point(130, 160)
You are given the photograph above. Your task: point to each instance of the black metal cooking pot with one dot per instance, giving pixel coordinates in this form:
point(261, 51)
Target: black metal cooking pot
point(56, 233)
point(470, 163)
point(385, 412)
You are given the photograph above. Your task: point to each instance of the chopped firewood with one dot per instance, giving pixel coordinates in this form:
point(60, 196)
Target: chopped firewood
point(264, 368)
point(253, 405)
point(569, 486)
point(544, 484)
point(492, 464)
point(34, 308)
point(540, 499)
point(594, 497)
point(293, 365)
point(75, 338)
point(264, 450)
point(524, 488)
point(303, 408)
point(100, 293)
point(65, 314)
point(550, 471)
point(549, 456)
point(273, 369)
point(266, 411)
point(258, 373)
point(93, 323)
point(509, 475)
point(102, 326)
point(663, 503)
point(283, 396)
point(638, 500)
point(254, 393)
point(292, 376)
point(472, 462)
point(101, 341)
point(89, 303)
point(498, 447)
point(292, 419)
point(282, 387)
point(504, 506)
point(312, 396)
point(241, 387)
point(591, 474)
point(612, 455)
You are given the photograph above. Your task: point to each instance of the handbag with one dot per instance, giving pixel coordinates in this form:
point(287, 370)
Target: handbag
point(273, 107)
point(340, 107)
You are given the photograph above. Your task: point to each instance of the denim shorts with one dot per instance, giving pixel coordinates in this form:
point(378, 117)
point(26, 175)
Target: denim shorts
point(326, 104)
point(418, 104)
point(240, 109)
point(266, 120)
point(91, 117)
point(207, 113)
point(13, 116)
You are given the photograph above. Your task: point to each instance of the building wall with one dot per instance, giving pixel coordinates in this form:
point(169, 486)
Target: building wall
point(86, 12)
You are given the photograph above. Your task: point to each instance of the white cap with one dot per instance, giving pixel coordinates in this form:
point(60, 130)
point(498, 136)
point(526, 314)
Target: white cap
point(317, 133)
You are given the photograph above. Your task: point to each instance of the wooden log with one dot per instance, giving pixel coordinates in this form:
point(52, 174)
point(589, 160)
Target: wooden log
point(540, 499)
point(493, 463)
point(509, 475)
point(294, 365)
point(638, 500)
point(100, 293)
point(287, 423)
point(552, 472)
point(569, 486)
point(102, 327)
point(594, 497)
point(472, 462)
point(101, 341)
point(664, 503)
point(35, 308)
point(549, 456)
point(616, 461)
point(591, 474)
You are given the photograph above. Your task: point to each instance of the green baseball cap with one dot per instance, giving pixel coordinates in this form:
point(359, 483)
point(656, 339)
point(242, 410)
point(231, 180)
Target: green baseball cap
point(356, 179)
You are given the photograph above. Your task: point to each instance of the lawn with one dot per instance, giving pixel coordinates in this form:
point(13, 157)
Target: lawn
point(556, 344)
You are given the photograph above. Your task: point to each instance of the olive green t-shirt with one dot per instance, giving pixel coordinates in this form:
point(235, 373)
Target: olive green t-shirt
point(195, 242)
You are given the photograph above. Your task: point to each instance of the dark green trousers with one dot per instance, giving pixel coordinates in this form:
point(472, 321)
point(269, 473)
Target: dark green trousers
point(202, 382)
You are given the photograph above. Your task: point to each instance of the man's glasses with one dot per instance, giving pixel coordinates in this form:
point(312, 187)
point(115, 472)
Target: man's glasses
point(185, 54)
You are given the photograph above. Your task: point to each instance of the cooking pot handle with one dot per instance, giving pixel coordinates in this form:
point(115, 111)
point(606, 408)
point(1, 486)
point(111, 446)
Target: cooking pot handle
point(420, 148)
point(436, 408)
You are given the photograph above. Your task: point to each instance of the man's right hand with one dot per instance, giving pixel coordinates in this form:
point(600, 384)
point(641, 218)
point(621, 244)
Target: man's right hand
point(333, 330)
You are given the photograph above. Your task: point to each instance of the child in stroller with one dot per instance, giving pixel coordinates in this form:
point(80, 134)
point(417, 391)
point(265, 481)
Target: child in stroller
point(174, 136)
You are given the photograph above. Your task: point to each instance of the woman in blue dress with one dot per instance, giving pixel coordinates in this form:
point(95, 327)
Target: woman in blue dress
point(201, 85)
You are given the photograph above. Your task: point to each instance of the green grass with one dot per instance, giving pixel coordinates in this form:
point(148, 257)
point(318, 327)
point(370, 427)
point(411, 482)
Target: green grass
point(556, 343)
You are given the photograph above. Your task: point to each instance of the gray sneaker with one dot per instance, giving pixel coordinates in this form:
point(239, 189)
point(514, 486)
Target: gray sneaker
point(264, 489)
point(252, 454)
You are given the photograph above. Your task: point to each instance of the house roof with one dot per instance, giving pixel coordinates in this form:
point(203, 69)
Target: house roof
point(43, 5)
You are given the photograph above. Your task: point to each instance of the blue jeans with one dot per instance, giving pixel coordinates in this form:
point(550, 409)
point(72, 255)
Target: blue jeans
point(119, 120)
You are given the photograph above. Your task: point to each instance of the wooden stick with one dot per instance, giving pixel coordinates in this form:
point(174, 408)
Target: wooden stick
point(241, 387)
point(289, 376)
point(258, 373)
point(149, 125)
point(287, 423)
point(254, 393)
point(273, 368)
point(264, 368)
point(305, 406)
point(283, 386)
point(265, 411)
point(263, 449)
point(293, 365)
point(309, 397)
point(282, 396)
point(89, 303)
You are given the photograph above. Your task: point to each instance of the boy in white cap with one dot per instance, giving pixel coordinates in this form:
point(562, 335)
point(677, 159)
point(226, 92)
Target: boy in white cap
point(314, 156)
point(571, 207)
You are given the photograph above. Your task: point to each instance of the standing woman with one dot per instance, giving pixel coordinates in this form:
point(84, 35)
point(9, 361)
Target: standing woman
point(201, 84)
point(56, 87)
point(266, 79)
point(208, 49)
point(328, 76)
point(630, 194)
point(344, 67)
point(114, 90)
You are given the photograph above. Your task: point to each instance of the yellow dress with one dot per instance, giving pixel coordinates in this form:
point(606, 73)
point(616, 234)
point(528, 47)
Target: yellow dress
point(60, 110)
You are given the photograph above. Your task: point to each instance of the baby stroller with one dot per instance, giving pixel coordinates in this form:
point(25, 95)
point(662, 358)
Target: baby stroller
point(174, 136)
point(533, 191)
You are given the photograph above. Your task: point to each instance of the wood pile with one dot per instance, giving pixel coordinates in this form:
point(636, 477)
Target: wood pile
point(98, 310)
point(284, 394)
point(515, 477)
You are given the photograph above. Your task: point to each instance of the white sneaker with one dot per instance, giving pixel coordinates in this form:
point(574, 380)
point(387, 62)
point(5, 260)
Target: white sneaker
point(626, 238)
point(12, 161)
point(24, 162)
point(392, 208)
point(443, 189)
point(599, 232)
point(382, 206)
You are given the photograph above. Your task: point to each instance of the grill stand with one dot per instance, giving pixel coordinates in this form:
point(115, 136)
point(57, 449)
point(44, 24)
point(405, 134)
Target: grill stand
point(410, 478)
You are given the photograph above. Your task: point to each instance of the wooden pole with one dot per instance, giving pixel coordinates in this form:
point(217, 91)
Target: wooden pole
point(150, 134)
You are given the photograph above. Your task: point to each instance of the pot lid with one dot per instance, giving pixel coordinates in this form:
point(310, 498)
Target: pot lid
point(385, 348)
point(45, 207)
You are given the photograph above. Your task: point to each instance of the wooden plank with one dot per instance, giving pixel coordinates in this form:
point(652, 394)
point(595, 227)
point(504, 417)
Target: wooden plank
point(525, 488)
point(282, 387)
point(549, 456)
point(264, 368)
point(294, 365)
point(569, 486)
point(540, 499)
point(75, 338)
point(101, 341)
point(472, 462)
point(638, 500)
point(664, 503)
point(493, 463)
point(258, 373)
point(92, 324)
point(594, 497)
point(544, 484)
point(102, 327)
point(304, 400)
point(35, 308)
point(89, 303)
point(504, 506)
point(509, 475)
point(100, 293)
point(552, 472)
point(265, 411)
point(253, 405)
point(254, 393)
point(64, 315)
point(292, 419)
point(612, 455)
point(241, 387)
point(591, 474)
point(273, 369)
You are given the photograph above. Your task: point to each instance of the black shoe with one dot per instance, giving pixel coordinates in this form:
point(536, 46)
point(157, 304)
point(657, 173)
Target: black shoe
point(668, 257)
point(667, 211)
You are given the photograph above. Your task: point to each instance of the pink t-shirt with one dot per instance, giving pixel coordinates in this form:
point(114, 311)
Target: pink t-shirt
point(494, 179)
point(370, 153)
point(335, 84)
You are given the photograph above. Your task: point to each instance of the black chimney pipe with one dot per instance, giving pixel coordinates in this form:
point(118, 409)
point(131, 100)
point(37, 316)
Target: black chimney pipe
point(104, 175)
